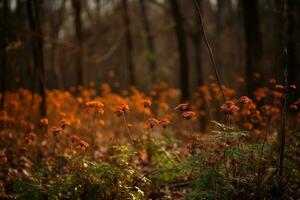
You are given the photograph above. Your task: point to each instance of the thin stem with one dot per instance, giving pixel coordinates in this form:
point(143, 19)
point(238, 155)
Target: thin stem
point(209, 49)
point(260, 155)
point(128, 131)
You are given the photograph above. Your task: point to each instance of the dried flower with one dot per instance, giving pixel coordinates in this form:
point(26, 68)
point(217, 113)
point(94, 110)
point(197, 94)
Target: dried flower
point(188, 114)
point(229, 107)
point(183, 107)
point(147, 103)
point(44, 122)
point(83, 144)
point(164, 122)
point(3, 160)
point(151, 122)
point(245, 99)
point(56, 130)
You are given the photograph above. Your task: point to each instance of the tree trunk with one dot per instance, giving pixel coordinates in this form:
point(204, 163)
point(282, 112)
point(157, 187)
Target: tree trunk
point(3, 52)
point(79, 40)
point(56, 22)
point(129, 45)
point(150, 43)
point(182, 48)
point(253, 44)
point(34, 8)
point(293, 11)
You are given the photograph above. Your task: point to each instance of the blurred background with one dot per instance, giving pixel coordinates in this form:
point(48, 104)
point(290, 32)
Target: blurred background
point(64, 43)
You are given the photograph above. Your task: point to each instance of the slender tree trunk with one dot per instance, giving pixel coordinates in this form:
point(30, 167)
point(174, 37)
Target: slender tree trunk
point(197, 40)
point(253, 44)
point(182, 48)
point(56, 22)
point(293, 31)
point(219, 30)
point(129, 45)
point(79, 40)
point(3, 52)
point(34, 8)
point(150, 42)
point(98, 7)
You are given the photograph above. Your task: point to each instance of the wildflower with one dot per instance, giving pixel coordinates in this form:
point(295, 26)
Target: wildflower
point(31, 137)
point(63, 123)
point(188, 114)
point(3, 160)
point(56, 130)
point(183, 107)
point(293, 107)
point(121, 109)
point(95, 107)
point(245, 99)
point(23, 149)
point(74, 138)
point(257, 132)
point(293, 87)
point(44, 122)
point(83, 144)
point(279, 86)
point(248, 125)
point(141, 154)
point(189, 145)
point(151, 122)
point(272, 81)
point(101, 122)
point(164, 122)
point(229, 107)
point(147, 103)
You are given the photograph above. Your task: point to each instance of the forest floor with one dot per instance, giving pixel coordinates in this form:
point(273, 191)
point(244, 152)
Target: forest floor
point(134, 146)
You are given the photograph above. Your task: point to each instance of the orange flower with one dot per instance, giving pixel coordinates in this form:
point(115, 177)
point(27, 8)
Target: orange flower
point(44, 121)
point(272, 81)
point(3, 160)
point(83, 144)
point(101, 122)
point(248, 125)
point(189, 145)
point(147, 103)
point(151, 122)
point(279, 86)
point(63, 123)
point(95, 107)
point(188, 114)
point(121, 109)
point(183, 107)
point(31, 137)
point(74, 138)
point(164, 122)
point(141, 154)
point(293, 107)
point(257, 132)
point(229, 107)
point(245, 99)
point(56, 130)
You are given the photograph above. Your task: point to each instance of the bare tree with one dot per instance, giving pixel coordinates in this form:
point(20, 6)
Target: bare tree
point(129, 45)
point(3, 51)
point(182, 48)
point(34, 19)
point(149, 38)
point(253, 40)
point(77, 5)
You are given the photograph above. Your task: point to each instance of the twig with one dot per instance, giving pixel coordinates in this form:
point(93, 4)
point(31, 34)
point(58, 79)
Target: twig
point(209, 49)
point(145, 175)
point(260, 156)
